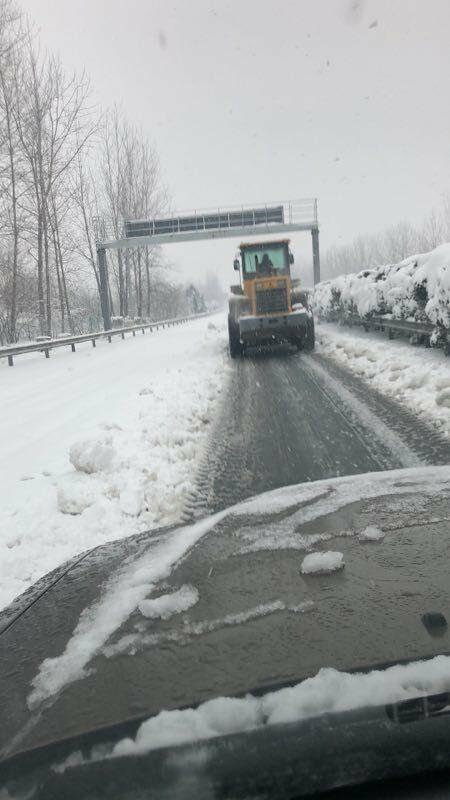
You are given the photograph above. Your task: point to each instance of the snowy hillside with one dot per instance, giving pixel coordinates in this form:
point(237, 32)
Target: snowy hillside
point(101, 444)
point(417, 288)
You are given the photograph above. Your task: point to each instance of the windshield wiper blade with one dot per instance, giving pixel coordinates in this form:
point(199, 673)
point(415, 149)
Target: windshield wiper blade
point(296, 759)
point(419, 707)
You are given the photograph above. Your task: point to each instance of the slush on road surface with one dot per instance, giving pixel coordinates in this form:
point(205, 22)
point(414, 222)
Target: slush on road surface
point(163, 427)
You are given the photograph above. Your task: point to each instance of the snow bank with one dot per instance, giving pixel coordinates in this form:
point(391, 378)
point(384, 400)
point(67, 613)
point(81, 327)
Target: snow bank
point(92, 455)
point(167, 605)
point(416, 378)
point(330, 691)
point(417, 288)
point(102, 444)
point(322, 563)
point(74, 497)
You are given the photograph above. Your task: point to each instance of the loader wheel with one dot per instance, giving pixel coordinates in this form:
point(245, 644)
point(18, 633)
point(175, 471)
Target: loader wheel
point(234, 338)
point(310, 337)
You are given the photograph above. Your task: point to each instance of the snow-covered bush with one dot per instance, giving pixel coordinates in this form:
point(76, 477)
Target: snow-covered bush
point(417, 288)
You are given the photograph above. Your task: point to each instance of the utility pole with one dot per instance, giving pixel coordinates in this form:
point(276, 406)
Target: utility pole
point(104, 288)
point(316, 254)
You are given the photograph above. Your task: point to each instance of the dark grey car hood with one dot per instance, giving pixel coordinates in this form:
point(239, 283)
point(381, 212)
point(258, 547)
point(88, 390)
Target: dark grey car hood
point(78, 654)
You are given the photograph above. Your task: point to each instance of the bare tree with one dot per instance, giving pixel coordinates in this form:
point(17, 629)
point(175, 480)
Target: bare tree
point(133, 189)
point(11, 38)
point(432, 231)
point(88, 215)
point(57, 183)
point(54, 123)
point(112, 181)
point(391, 245)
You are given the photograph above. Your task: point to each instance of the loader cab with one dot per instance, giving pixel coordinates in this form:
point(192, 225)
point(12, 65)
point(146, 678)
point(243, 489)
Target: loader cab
point(265, 259)
point(266, 275)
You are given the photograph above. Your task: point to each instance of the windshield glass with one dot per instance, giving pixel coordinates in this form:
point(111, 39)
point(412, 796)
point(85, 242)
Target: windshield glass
point(264, 262)
point(224, 359)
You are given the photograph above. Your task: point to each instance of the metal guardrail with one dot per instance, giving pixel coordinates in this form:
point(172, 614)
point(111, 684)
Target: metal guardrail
point(406, 326)
point(422, 329)
point(11, 351)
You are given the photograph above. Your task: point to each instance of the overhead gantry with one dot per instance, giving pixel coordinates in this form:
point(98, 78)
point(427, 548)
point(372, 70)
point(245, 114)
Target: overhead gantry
point(271, 218)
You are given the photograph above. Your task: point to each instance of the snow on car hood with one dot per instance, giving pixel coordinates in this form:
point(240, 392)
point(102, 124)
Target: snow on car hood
point(130, 586)
point(330, 691)
point(336, 574)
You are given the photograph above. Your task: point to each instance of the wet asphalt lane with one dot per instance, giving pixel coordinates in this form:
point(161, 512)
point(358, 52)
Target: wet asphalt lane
point(289, 418)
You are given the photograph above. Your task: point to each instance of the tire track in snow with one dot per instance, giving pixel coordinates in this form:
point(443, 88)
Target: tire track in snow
point(342, 397)
point(290, 419)
point(427, 441)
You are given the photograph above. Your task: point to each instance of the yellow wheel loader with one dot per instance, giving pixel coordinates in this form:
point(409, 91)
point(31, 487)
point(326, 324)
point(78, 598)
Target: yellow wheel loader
point(268, 306)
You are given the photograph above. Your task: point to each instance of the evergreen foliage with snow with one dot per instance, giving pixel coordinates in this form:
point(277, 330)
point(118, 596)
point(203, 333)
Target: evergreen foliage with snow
point(416, 289)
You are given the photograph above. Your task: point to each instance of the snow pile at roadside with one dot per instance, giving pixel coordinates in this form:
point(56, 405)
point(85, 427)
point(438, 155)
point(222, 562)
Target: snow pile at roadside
point(106, 453)
point(417, 378)
point(417, 288)
point(322, 563)
point(328, 692)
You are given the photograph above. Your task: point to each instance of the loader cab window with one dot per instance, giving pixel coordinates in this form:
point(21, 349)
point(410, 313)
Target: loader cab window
point(262, 263)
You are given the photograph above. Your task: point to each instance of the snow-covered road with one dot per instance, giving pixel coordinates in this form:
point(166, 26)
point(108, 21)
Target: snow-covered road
point(413, 376)
point(101, 444)
point(105, 443)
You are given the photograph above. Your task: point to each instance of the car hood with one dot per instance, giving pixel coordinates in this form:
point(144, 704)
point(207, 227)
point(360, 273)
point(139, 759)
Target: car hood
point(84, 649)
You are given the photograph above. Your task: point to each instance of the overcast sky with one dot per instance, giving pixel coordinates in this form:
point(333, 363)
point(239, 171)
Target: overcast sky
point(259, 100)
